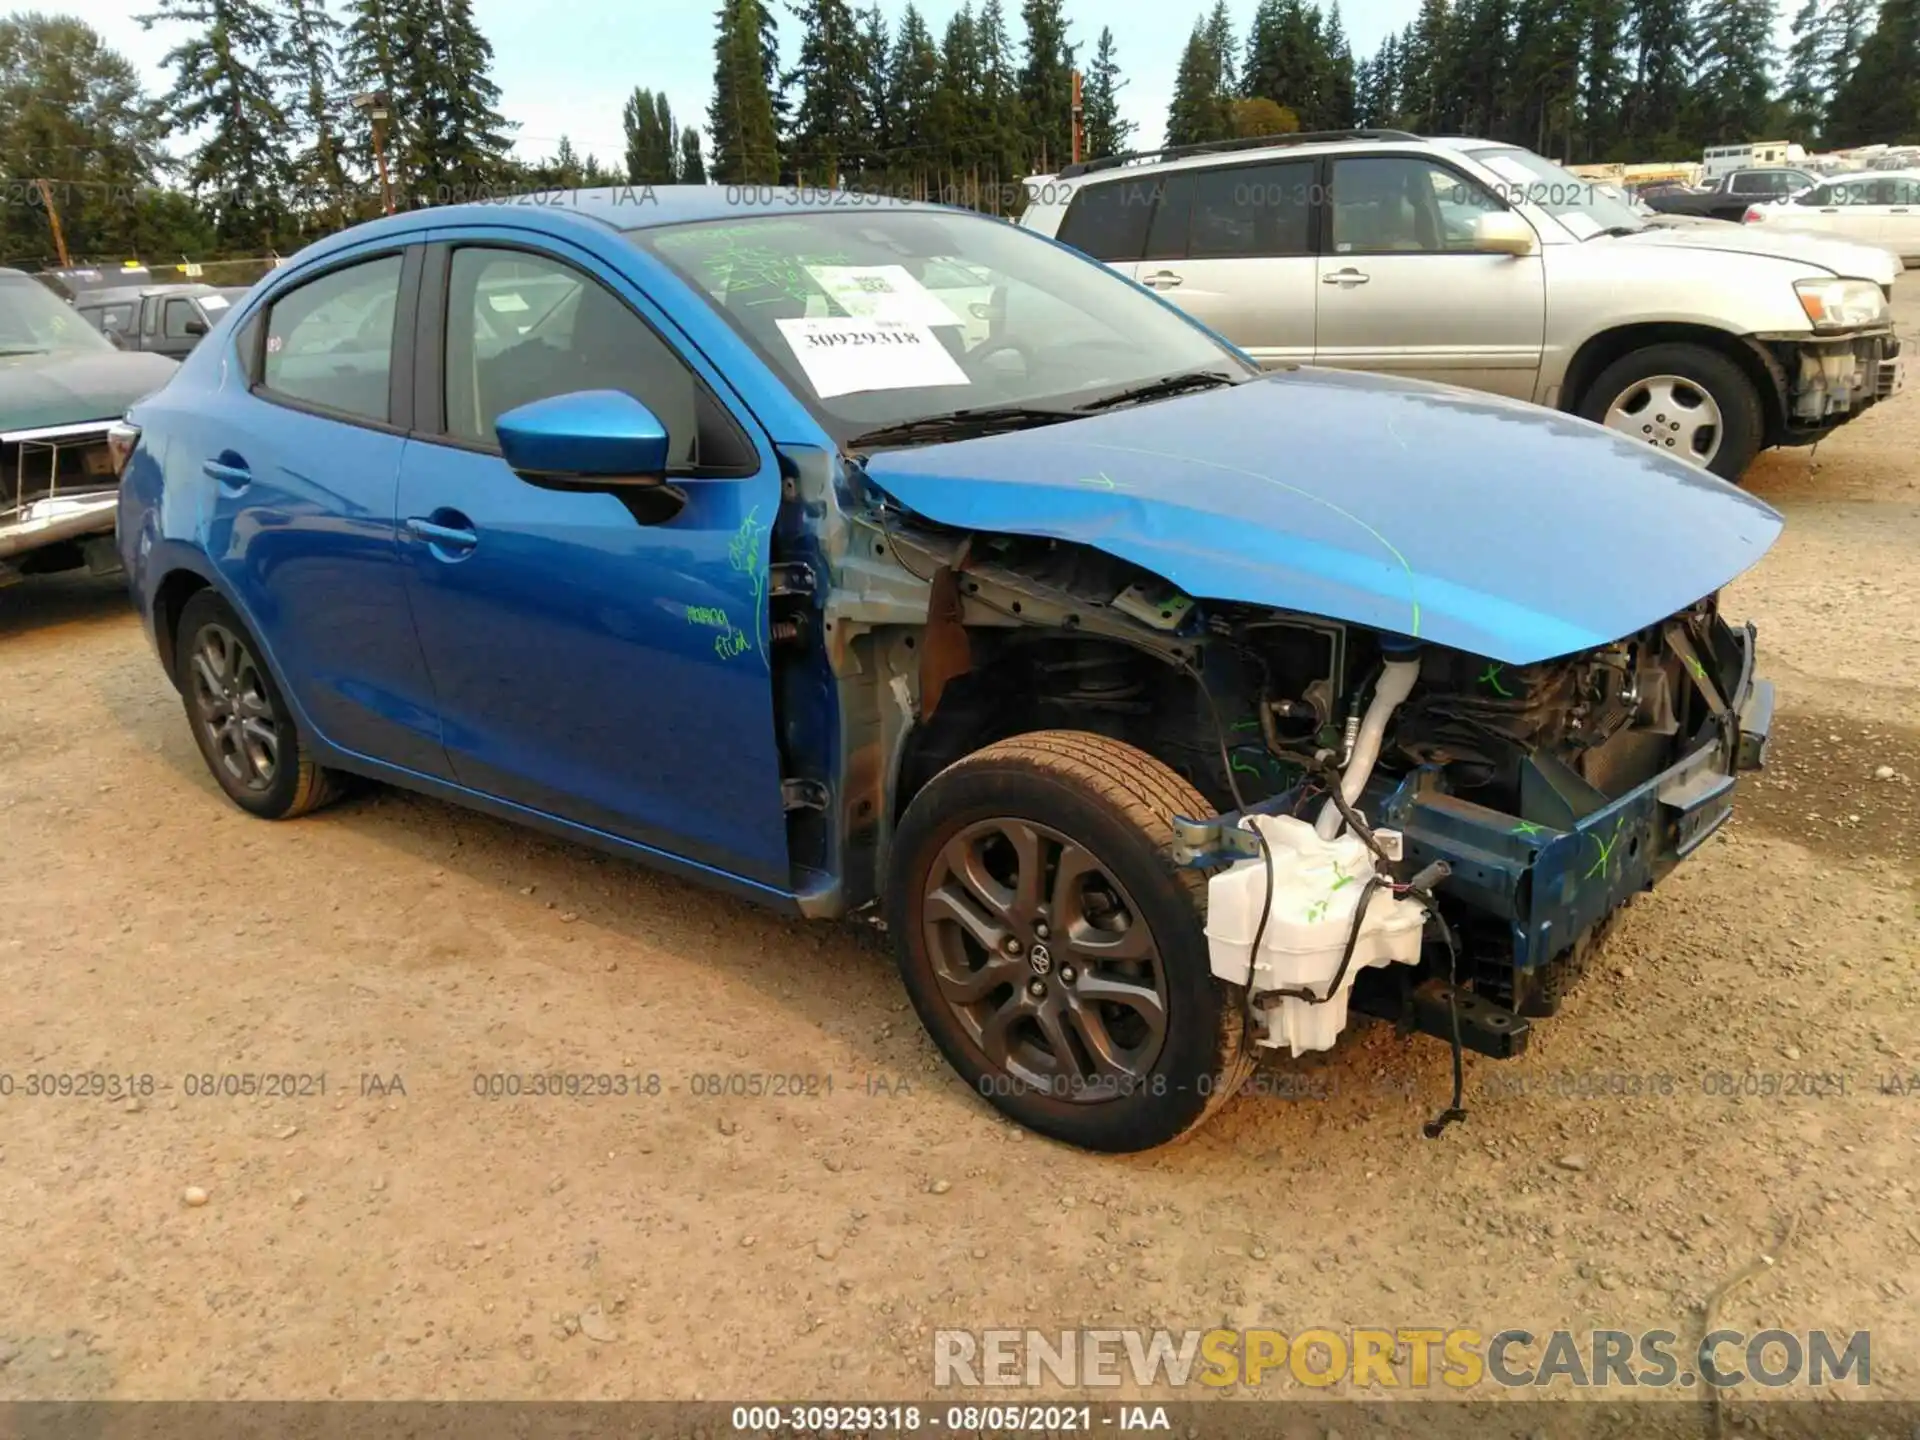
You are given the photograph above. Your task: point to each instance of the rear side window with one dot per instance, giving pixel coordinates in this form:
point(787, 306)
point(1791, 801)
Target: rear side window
point(1167, 235)
point(1252, 210)
point(329, 342)
point(1109, 222)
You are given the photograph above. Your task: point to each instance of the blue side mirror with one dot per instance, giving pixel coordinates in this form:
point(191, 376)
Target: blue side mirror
point(586, 440)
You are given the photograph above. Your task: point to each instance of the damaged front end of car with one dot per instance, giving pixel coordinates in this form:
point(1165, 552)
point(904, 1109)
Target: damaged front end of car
point(1434, 782)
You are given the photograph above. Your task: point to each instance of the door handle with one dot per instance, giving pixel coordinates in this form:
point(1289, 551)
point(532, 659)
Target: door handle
point(449, 534)
point(1898, 210)
point(1347, 277)
point(231, 472)
point(1162, 280)
point(1829, 210)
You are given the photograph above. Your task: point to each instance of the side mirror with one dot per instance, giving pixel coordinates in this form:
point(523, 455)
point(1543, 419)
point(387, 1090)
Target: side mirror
point(196, 326)
point(587, 440)
point(1503, 232)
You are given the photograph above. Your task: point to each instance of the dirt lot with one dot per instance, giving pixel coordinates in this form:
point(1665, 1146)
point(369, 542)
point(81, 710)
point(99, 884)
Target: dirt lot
point(428, 1242)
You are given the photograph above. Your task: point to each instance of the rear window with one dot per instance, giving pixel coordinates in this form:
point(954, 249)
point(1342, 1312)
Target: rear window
point(329, 342)
point(1109, 222)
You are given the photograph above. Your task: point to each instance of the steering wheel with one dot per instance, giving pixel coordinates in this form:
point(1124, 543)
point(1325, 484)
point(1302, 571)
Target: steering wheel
point(975, 357)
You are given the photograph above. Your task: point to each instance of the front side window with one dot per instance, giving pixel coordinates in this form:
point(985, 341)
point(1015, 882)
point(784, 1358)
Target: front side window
point(1388, 204)
point(857, 311)
point(523, 327)
point(35, 321)
point(180, 315)
point(329, 342)
point(1248, 211)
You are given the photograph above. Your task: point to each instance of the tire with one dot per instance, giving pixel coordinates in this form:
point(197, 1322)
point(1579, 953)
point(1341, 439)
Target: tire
point(1706, 372)
point(242, 725)
point(1060, 803)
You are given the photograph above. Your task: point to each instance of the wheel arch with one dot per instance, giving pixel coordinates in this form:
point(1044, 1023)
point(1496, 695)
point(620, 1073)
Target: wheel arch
point(170, 599)
point(1600, 350)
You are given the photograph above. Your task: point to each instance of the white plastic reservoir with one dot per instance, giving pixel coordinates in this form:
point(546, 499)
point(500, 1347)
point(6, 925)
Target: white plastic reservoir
point(1316, 886)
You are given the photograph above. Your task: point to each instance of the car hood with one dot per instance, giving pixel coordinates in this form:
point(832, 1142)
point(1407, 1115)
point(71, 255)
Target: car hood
point(1488, 525)
point(41, 390)
point(1842, 257)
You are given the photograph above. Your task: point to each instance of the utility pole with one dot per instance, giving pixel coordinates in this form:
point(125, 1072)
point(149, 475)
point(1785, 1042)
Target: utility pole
point(374, 105)
point(53, 219)
point(1079, 129)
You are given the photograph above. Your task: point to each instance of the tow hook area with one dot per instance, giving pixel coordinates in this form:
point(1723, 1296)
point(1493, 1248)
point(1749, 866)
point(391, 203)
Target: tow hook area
point(1423, 1009)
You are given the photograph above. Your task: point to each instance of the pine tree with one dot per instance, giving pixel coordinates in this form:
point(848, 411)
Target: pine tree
point(692, 169)
point(1545, 78)
point(1220, 38)
point(653, 140)
point(741, 119)
point(455, 142)
point(370, 62)
point(1803, 93)
point(1880, 101)
point(955, 101)
point(1483, 46)
point(223, 89)
point(1286, 61)
point(310, 75)
point(1103, 131)
point(1662, 42)
point(1846, 30)
point(827, 128)
point(875, 122)
point(1046, 83)
point(1337, 91)
point(913, 87)
point(1732, 84)
point(1198, 112)
point(1603, 82)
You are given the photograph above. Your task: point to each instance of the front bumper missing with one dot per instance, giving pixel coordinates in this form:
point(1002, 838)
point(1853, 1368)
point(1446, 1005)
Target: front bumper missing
point(1554, 883)
point(1828, 380)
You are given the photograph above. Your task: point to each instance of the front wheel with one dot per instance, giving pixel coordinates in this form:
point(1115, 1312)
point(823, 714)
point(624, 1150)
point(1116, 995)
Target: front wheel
point(1052, 948)
point(1684, 400)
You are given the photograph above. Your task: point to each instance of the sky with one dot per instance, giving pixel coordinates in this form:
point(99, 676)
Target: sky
point(568, 71)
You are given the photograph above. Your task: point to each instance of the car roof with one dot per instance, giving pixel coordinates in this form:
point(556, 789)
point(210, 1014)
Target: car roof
point(117, 294)
point(1185, 157)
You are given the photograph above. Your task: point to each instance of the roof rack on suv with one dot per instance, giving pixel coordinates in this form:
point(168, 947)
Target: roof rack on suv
point(1208, 147)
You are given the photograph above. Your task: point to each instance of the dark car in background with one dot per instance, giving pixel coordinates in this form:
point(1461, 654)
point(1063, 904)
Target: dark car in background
point(62, 388)
point(1728, 197)
point(166, 319)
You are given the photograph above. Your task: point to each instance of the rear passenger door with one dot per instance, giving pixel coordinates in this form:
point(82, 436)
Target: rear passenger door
point(1903, 218)
point(1233, 246)
point(1403, 290)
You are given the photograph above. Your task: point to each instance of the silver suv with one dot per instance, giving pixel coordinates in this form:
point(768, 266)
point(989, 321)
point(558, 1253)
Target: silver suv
point(1481, 264)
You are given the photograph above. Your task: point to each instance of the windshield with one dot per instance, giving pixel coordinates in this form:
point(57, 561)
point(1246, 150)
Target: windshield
point(886, 318)
point(34, 321)
point(1586, 207)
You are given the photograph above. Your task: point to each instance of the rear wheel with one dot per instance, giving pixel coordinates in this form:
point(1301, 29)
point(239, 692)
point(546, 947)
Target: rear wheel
point(1054, 951)
point(1683, 400)
point(243, 727)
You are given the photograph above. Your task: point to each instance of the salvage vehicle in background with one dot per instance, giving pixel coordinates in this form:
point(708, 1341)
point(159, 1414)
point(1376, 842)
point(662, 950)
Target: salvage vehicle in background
point(62, 387)
point(1165, 710)
point(1874, 209)
point(165, 319)
point(1481, 264)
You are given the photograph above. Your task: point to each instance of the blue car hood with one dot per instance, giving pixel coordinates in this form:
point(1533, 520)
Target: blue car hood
point(1488, 525)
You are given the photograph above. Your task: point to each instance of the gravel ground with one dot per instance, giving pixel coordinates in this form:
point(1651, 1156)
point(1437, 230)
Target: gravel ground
point(397, 1236)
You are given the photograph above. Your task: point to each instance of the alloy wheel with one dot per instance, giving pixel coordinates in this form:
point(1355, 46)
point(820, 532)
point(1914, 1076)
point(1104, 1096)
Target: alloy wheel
point(1045, 960)
point(231, 705)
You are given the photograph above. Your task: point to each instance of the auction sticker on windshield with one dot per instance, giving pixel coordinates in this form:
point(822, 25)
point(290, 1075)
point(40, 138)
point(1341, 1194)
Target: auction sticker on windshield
point(841, 356)
point(882, 292)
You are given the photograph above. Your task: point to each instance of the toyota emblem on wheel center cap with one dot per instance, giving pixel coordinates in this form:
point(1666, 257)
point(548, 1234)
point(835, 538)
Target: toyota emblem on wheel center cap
point(1040, 958)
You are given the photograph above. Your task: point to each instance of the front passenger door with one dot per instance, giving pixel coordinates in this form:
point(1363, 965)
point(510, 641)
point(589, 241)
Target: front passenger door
point(599, 655)
point(1403, 289)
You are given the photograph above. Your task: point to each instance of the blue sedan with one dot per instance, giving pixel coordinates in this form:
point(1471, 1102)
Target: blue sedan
point(891, 561)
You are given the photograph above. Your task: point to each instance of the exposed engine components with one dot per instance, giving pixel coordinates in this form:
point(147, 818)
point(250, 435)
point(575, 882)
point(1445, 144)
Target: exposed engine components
point(1397, 676)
